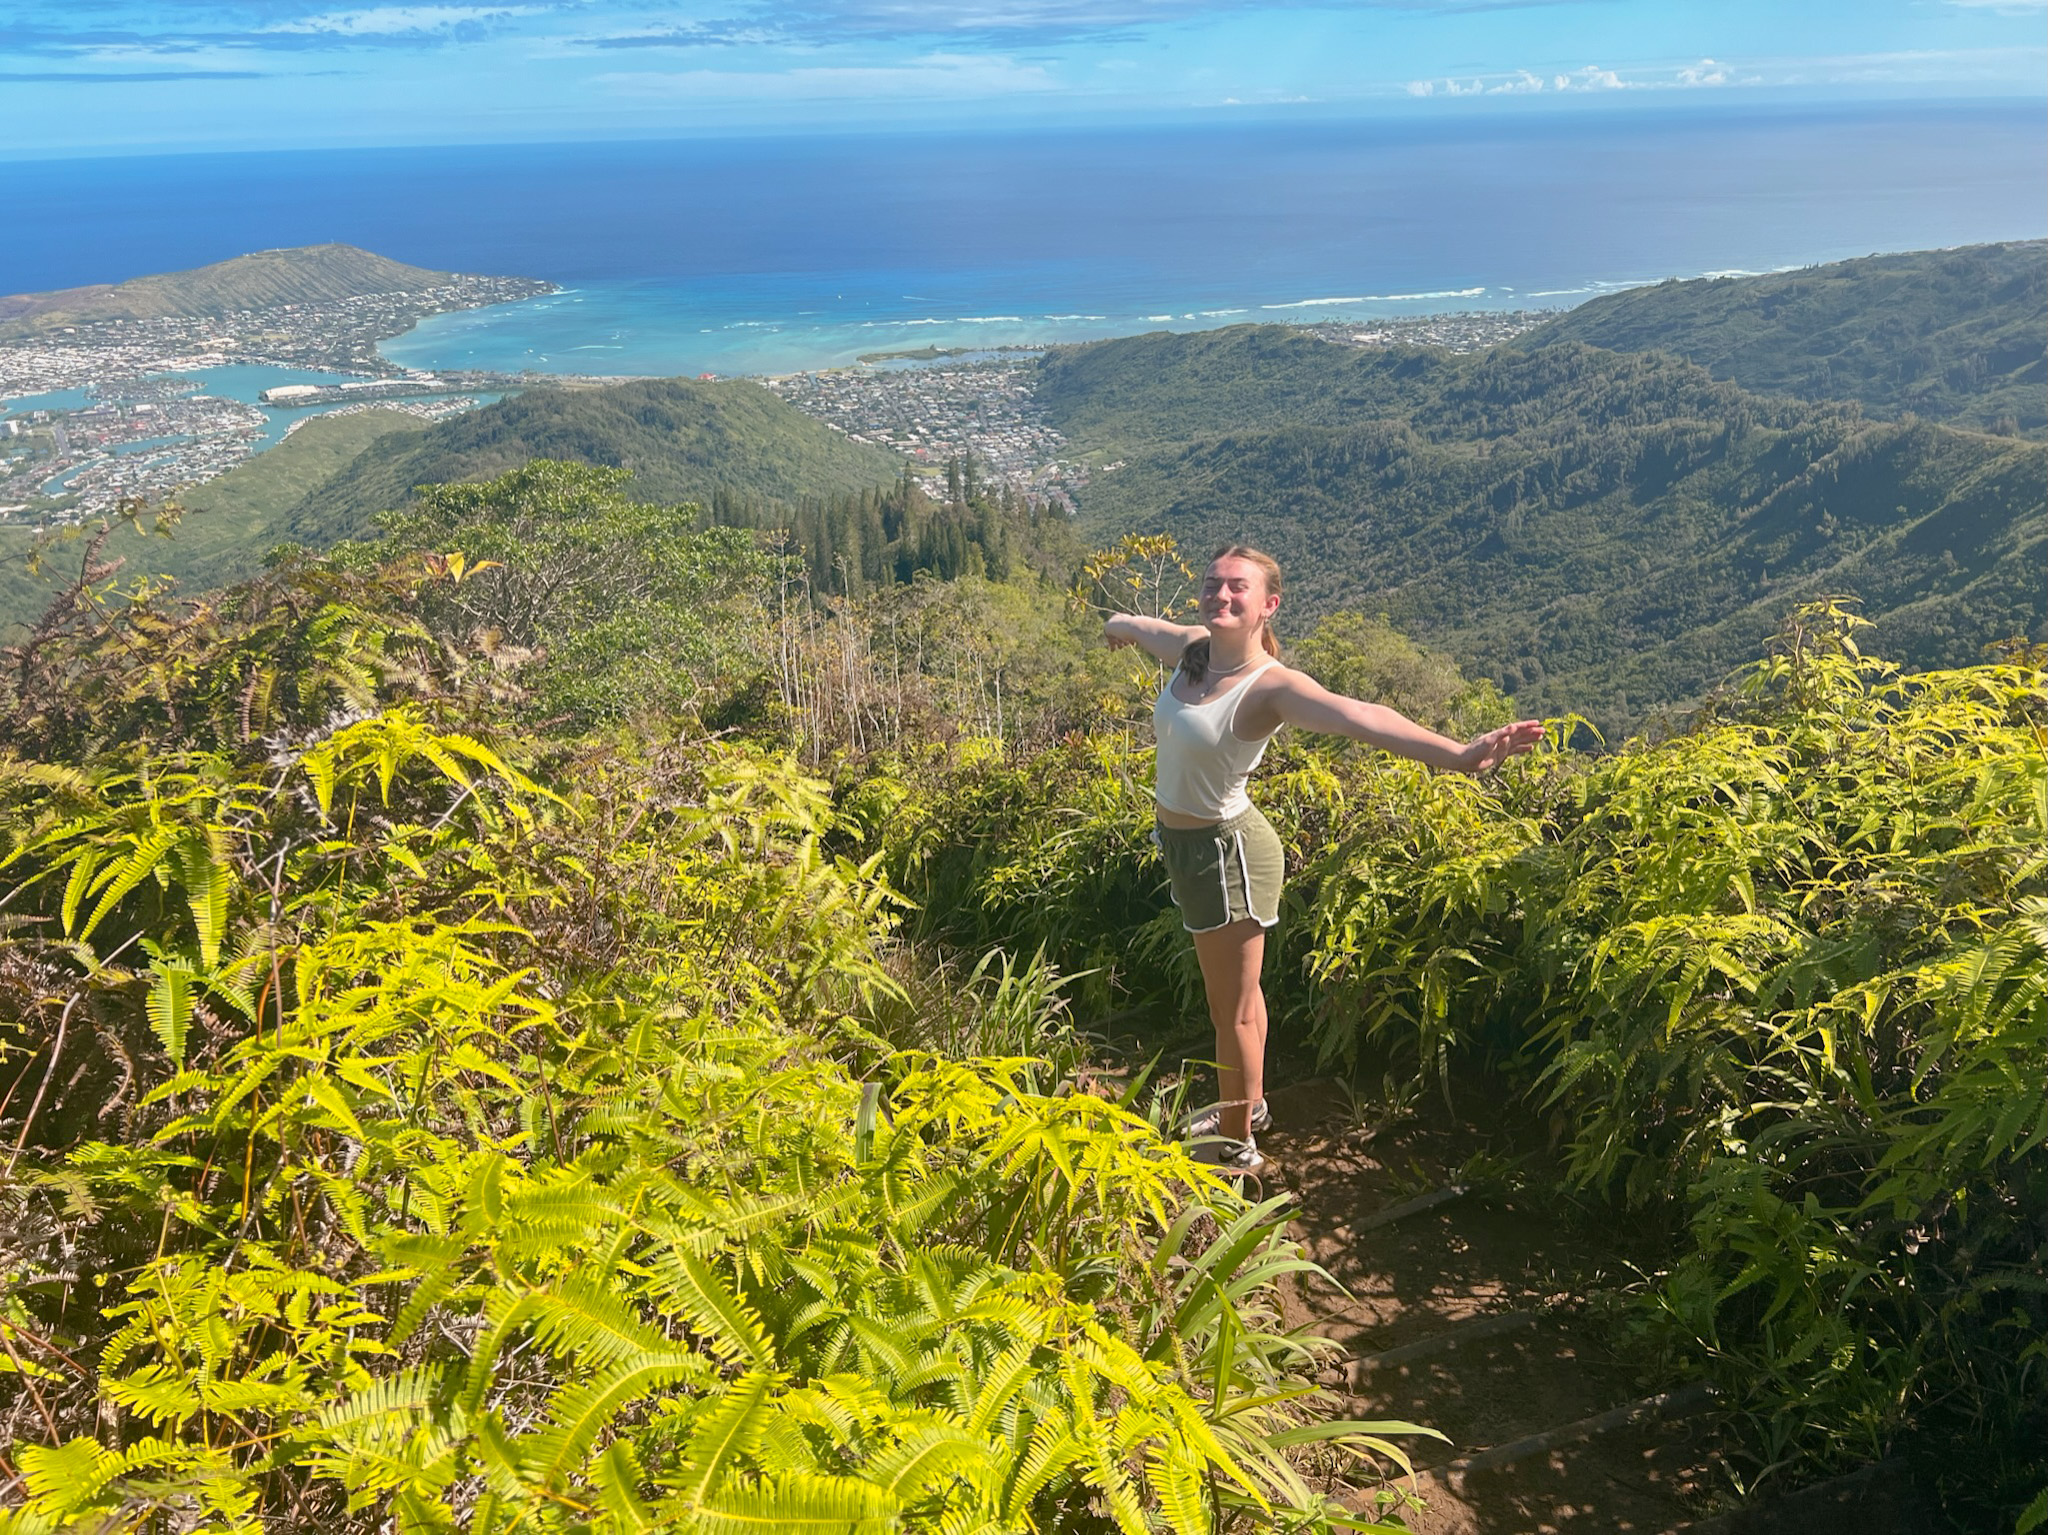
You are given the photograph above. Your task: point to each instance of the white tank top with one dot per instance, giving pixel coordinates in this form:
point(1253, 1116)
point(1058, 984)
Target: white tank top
point(1202, 764)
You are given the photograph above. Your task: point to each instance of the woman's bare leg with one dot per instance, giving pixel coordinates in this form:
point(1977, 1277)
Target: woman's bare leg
point(1231, 959)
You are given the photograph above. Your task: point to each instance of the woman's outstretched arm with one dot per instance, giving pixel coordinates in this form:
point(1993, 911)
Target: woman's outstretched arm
point(1294, 698)
point(1161, 639)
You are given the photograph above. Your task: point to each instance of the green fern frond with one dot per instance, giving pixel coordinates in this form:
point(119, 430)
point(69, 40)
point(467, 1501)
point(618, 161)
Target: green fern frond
point(732, 1330)
point(935, 1452)
point(583, 1410)
point(1052, 1447)
point(617, 1476)
point(800, 1505)
point(724, 1433)
point(585, 1319)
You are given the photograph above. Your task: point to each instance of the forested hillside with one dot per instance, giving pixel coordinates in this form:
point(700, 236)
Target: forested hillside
point(734, 455)
point(545, 1018)
point(683, 441)
point(734, 449)
point(1593, 531)
point(1956, 335)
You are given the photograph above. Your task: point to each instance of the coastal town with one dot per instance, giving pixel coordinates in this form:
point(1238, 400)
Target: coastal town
point(118, 409)
point(942, 406)
point(121, 409)
point(935, 411)
point(143, 438)
point(1466, 331)
point(338, 337)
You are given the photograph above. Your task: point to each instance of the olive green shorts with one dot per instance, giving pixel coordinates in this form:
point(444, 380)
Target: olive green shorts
point(1224, 873)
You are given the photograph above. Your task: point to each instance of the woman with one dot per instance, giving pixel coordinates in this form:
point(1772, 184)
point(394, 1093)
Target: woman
point(1227, 695)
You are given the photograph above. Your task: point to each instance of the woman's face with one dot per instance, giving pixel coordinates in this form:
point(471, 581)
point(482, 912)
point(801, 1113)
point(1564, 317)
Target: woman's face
point(1234, 595)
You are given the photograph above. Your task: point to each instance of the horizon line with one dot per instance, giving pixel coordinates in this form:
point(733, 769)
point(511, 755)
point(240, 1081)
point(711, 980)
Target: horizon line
point(1325, 114)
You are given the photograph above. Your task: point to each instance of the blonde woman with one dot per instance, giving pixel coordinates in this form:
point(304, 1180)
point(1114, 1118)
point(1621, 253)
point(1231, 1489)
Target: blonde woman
point(1228, 692)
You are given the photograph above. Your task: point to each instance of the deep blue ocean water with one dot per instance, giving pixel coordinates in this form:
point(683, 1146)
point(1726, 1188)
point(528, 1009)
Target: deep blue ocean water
point(762, 255)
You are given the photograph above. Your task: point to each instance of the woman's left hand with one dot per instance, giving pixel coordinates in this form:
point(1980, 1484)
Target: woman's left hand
point(1496, 746)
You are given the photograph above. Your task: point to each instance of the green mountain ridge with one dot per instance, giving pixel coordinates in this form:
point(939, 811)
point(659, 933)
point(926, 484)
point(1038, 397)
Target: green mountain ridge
point(308, 274)
point(1591, 530)
point(684, 440)
point(1953, 335)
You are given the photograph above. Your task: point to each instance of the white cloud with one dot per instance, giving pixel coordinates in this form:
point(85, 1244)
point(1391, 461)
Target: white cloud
point(1587, 77)
point(398, 20)
point(934, 75)
point(1590, 77)
point(1449, 87)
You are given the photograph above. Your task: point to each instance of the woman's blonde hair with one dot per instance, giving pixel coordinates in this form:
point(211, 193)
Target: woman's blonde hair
point(1194, 661)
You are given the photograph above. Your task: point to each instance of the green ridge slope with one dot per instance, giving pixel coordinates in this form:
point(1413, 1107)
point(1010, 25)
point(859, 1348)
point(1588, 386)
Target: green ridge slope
point(683, 440)
point(231, 522)
point(308, 274)
point(1590, 530)
point(1954, 335)
point(1162, 387)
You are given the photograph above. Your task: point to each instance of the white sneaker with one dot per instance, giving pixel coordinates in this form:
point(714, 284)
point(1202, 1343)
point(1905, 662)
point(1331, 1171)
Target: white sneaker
point(1238, 1159)
point(1209, 1121)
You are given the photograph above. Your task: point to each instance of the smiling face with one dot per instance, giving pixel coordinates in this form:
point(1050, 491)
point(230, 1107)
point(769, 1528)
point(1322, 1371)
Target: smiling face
point(1235, 597)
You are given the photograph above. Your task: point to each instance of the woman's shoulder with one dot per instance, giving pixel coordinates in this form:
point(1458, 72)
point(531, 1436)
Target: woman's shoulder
point(1276, 675)
point(1276, 682)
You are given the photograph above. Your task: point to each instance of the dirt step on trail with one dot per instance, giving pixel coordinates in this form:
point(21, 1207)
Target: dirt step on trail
point(1465, 1312)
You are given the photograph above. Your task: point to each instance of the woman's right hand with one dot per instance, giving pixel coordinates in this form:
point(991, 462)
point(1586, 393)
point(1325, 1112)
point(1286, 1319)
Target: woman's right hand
point(1485, 752)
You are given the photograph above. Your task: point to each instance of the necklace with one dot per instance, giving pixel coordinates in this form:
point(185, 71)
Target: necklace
point(1231, 671)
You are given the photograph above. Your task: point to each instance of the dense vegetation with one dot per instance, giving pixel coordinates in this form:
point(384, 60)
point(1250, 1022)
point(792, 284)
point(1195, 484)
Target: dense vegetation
point(683, 440)
point(308, 274)
point(1780, 981)
point(429, 1114)
point(1593, 531)
point(229, 524)
point(468, 1071)
point(734, 449)
point(1956, 335)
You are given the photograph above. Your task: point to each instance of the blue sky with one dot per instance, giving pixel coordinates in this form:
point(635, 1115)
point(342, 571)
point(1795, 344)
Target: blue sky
point(115, 76)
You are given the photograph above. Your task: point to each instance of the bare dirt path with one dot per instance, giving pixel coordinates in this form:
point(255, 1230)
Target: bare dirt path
point(1468, 1312)
point(1479, 1313)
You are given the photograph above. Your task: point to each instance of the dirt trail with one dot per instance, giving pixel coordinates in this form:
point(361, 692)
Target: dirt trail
point(1469, 1312)
point(1478, 1298)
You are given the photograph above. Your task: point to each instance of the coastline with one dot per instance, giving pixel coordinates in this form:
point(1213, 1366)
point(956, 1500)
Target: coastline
point(677, 330)
point(118, 409)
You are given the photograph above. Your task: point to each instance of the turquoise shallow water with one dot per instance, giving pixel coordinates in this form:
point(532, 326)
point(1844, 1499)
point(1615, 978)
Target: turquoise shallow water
point(657, 328)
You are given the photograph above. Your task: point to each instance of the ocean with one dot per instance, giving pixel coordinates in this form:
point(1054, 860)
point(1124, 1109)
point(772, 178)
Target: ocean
point(771, 254)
